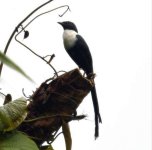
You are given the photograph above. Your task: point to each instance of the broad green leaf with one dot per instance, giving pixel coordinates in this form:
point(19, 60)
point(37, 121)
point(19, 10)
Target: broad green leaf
point(16, 141)
point(7, 61)
point(12, 114)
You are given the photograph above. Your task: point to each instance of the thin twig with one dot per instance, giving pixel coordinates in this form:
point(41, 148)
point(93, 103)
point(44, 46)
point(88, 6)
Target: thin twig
point(68, 8)
point(23, 28)
point(45, 117)
point(64, 12)
point(37, 55)
point(54, 138)
point(52, 116)
point(25, 94)
point(52, 78)
point(51, 58)
point(47, 56)
point(15, 30)
point(2, 94)
point(62, 71)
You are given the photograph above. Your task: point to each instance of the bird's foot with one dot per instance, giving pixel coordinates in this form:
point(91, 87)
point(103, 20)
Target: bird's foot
point(91, 76)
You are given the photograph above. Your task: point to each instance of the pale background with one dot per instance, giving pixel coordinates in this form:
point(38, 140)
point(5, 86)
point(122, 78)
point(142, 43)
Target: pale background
point(118, 33)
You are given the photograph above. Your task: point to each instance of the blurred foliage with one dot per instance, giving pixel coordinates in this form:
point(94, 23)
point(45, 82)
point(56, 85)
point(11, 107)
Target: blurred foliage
point(12, 114)
point(7, 61)
point(16, 141)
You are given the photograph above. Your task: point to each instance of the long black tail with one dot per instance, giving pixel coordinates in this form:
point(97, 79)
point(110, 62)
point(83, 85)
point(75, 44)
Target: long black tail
point(96, 111)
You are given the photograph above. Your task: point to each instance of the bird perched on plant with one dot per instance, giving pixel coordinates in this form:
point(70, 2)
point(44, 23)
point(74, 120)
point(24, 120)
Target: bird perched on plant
point(79, 51)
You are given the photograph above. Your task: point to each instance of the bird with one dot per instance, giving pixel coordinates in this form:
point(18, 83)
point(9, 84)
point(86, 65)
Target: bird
point(78, 50)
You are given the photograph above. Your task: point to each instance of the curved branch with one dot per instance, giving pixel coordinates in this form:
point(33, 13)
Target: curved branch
point(68, 8)
point(15, 30)
point(56, 115)
point(23, 29)
point(37, 55)
point(2, 94)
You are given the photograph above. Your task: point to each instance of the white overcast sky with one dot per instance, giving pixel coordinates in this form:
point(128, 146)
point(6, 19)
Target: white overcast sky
point(118, 33)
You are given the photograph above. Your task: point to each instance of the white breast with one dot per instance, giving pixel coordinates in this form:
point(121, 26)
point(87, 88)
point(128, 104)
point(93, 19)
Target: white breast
point(69, 38)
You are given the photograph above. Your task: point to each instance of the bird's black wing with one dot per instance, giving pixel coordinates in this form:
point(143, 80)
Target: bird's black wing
point(80, 53)
point(85, 54)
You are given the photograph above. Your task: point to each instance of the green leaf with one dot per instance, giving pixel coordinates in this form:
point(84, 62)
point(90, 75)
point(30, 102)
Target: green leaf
point(46, 147)
point(16, 141)
point(50, 147)
point(12, 114)
point(7, 61)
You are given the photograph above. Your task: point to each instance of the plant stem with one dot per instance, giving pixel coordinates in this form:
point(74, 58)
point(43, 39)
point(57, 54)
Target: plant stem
point(15, 30)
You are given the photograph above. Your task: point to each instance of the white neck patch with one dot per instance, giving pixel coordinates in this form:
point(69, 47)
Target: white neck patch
point(69, 38)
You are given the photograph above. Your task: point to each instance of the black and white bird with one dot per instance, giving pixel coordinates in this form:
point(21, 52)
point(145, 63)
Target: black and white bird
point(79, 51)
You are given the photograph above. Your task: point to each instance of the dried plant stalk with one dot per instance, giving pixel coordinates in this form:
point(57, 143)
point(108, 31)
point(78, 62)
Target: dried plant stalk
point(54, 102)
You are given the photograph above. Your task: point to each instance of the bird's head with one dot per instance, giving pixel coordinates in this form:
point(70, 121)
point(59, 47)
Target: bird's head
point(68, 25)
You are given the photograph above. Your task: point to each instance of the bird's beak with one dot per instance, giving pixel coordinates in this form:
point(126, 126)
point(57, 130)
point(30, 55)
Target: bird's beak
point(60, 23)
